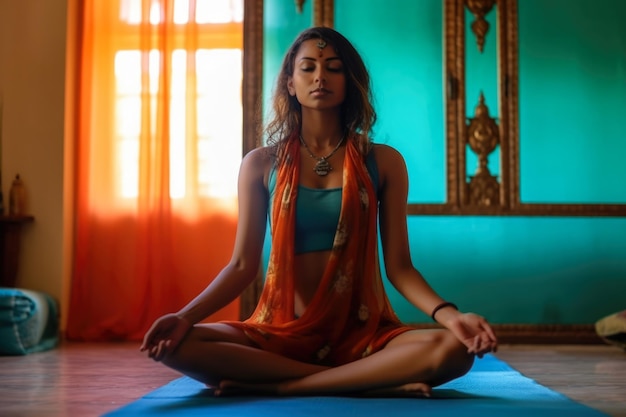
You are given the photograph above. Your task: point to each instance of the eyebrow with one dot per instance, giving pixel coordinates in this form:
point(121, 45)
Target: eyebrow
point(332, 58)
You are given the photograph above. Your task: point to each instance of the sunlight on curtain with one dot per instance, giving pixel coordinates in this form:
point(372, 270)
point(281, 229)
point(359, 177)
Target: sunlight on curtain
point(217, 139)
point(219, 145)
point(158, 148)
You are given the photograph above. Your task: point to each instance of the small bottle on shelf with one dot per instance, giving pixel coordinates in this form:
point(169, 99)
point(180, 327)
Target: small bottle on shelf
point(17, 197)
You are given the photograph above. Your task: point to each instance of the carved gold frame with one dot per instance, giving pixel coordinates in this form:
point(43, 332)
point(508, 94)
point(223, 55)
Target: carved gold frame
point(510, 57)
point(252, 90)
point(458, 201)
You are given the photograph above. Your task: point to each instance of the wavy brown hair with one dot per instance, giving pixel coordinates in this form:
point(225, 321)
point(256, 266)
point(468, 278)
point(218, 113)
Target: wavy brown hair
point(357, 112)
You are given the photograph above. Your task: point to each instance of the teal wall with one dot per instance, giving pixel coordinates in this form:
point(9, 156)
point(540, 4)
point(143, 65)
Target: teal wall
point(281, 25)
point(537, 270)
point(573, 69)
point(404, 55)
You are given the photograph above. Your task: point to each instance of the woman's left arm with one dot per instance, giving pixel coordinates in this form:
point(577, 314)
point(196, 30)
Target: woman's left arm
point(471, 329)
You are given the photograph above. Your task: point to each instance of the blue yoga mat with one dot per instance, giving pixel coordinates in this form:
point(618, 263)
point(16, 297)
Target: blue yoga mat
point(491, 388)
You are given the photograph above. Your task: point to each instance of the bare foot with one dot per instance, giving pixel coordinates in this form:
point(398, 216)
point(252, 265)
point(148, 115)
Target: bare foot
point(412, 390)
point(234, 388)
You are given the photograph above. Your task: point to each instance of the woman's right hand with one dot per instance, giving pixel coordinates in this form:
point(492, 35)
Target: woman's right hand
point(164, 336)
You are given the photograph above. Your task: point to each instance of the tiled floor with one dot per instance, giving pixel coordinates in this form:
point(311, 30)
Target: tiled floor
point(594, 374)
point(77, 380)
point(90, 379)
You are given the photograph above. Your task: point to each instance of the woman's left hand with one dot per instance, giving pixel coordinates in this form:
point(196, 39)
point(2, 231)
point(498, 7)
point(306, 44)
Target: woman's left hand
point(475, 333)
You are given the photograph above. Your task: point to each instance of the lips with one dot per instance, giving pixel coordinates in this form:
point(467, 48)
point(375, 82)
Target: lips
point(320, 92)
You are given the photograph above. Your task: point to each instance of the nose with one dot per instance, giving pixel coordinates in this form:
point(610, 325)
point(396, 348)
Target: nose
point(320, 76)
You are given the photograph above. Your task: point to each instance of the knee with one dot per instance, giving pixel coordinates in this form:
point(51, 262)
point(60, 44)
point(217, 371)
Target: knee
point(202, 343)
point(186, 349)
point(175, 357)
point(453, 361)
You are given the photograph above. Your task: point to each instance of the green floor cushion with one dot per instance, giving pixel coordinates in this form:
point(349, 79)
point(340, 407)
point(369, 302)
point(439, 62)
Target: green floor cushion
point(29, 321)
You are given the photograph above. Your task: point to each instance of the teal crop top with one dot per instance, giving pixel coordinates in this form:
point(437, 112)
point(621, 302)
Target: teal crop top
point(317, 211)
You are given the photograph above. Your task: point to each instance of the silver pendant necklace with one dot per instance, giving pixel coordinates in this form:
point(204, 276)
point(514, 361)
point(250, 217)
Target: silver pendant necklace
point(322, 167)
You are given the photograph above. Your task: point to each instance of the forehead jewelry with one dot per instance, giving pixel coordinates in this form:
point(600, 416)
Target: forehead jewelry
point(322, 167)
point(321, 44)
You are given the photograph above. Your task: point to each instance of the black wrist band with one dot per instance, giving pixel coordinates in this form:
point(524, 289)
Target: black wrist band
point(440, 306)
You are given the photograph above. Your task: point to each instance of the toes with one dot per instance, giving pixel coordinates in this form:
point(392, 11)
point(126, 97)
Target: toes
point(418, 388)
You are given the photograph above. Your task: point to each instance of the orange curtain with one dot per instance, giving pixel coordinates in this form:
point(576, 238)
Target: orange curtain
point(139, 252)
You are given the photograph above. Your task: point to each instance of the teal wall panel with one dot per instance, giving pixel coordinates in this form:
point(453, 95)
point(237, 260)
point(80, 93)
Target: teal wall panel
point(281, 26)
point(572, 101)
point(402, 45)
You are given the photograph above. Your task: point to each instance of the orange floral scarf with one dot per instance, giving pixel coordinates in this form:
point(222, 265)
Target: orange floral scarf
point(350, 316)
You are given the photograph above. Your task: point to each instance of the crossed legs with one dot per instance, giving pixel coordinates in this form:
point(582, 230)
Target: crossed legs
point(222, 356)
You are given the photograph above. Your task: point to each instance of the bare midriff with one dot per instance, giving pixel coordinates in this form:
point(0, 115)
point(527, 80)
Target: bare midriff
point(309, 269)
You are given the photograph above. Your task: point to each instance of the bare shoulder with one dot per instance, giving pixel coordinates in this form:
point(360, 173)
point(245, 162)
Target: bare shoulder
point(389, 161)
point(257, 163)
point(259, 157)
point(386, 153)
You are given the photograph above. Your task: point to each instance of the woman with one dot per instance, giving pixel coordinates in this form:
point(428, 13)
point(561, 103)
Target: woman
point(323, 324)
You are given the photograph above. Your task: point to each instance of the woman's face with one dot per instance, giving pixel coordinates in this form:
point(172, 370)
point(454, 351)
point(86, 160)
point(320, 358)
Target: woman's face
point(318, 80)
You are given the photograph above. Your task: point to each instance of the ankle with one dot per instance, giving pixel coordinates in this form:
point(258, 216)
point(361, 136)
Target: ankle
point(284, 388)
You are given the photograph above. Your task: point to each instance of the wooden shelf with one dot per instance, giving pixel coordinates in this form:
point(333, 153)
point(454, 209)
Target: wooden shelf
point(4, 218)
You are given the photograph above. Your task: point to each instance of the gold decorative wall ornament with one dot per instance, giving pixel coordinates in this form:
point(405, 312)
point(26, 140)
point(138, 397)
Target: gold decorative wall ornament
point(482, 133)
point(483, 189)
point(480, 27)
point(299, 5)
point(483, 137)
point(324, 13)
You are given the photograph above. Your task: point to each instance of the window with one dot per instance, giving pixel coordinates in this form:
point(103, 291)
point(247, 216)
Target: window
point(204, 115)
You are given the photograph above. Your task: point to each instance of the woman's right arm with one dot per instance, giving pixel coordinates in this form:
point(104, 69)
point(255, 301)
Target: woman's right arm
point(244, 265)
point(168, 331)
